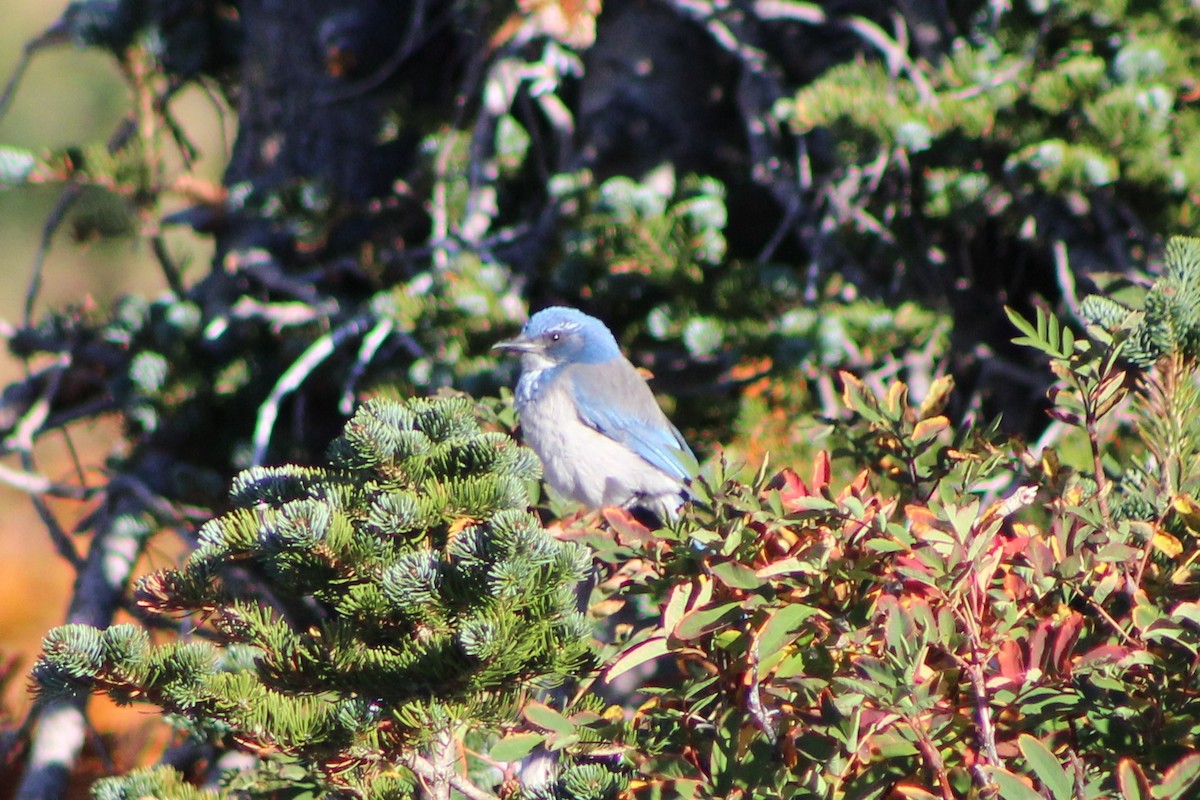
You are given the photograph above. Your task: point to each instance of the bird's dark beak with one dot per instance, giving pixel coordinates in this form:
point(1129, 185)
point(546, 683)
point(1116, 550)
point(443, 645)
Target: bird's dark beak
point(517, 344)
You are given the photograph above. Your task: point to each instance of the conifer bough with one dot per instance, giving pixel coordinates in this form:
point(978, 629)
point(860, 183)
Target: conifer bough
point(355, 619)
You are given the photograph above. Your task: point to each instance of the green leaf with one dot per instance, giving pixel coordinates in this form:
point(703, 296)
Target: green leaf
point(892, 745)
point(677, 603)
point(547, 718)
point(812, 502)
point(881, 545)
point(1021, 324)
point(1132, 781)
point(1048, 335)
point(1180, 779)
point(1045, 766)
point(700, 621)
point(787, 566)
point(736, 576)
point(516, 746)
point(636, 656)
point(781, 628)
point(1188, 611)
point(1011, 787)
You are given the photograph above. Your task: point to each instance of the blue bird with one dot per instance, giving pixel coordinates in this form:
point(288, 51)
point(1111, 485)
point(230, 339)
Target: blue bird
point(592, 419)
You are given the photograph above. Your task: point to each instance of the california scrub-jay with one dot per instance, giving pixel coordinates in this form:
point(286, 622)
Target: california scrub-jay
point(592, 420)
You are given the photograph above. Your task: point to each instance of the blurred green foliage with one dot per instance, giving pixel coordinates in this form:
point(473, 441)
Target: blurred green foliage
point(1071, 106)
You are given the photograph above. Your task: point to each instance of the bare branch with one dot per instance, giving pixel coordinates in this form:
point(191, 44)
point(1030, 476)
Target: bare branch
point(428, 772)
point(294, 376)
point(65, 200)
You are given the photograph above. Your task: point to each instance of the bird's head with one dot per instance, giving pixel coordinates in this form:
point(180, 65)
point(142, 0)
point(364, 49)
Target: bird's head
point(557, 336)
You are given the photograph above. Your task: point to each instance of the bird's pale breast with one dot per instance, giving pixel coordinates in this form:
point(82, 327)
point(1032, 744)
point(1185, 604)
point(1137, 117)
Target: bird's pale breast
point(582, 463)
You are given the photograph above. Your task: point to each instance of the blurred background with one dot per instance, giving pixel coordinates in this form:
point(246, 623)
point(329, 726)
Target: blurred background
point(69, 96)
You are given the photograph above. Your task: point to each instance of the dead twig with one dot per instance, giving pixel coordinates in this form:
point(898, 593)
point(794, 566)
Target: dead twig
point(21, 441)
point(294, 376)
point(66, 199)
point(445, 776)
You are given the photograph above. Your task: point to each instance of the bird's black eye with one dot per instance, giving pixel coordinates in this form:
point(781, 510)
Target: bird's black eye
point(554, 337)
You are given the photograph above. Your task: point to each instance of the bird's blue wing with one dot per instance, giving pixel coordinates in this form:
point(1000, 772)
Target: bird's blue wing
point(612, 398)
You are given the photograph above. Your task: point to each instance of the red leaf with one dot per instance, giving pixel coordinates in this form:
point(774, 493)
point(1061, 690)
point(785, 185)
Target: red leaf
point(1016, 545)
point(1015, 587)
point(1064, 642)
point(859, 484)
point(821, 471)
point(1037, 643)
point(1104, 654)
point(1012, 662)
point(630, 532)
point(789, 485)
point(923, 518)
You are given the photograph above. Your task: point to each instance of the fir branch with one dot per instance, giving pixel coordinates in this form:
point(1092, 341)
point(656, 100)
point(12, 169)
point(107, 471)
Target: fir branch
point(411, 587)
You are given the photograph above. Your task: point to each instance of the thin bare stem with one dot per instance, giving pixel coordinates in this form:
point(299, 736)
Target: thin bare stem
point(973, 666)
point(1102, 484)
point(294, 376)
point(933, 760)
point(429, 772)
point(21, 441)
point(10, 87)
point(170, 269)
point(34, 483)
point(1124, 635)
point(69, 195)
